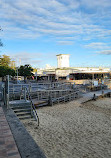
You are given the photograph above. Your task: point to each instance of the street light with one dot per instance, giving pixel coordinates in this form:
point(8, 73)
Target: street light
point(17, 74)
point(36, 74)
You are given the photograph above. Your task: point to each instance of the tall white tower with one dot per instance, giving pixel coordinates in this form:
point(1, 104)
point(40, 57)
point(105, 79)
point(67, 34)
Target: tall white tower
point(62, 60)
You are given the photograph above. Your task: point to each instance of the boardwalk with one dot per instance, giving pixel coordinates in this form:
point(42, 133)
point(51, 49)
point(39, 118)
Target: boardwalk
point(88, 96)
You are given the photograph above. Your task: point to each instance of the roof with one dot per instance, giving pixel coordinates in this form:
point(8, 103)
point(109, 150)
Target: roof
point(62, 54)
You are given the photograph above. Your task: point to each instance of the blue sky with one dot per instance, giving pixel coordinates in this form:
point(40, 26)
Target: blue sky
point(34, 32)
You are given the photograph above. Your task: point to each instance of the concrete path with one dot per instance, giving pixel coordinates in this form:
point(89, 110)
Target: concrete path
point(89, 96)
point(27, 147)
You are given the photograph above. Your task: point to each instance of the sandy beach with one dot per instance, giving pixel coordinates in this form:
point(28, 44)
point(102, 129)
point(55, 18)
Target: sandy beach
point(74, 130)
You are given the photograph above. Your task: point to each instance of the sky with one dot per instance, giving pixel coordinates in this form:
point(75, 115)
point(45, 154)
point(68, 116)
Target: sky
point(34, 32)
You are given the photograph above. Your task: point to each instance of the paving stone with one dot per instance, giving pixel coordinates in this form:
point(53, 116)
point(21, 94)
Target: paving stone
point(8, 148)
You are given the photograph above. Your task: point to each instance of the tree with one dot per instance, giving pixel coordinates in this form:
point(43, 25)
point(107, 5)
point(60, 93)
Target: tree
point(25, 71)
point(5, 68)
point(13, 64)
point(5, 61)
point(6, 71)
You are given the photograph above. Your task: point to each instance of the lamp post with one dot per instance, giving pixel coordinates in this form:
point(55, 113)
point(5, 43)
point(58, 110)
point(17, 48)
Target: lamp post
point(17, 75)
point(36, 74)
point(17, 66)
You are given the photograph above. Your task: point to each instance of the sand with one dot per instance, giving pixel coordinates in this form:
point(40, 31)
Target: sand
point(73, 130)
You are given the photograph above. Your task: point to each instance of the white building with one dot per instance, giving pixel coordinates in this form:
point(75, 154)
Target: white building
point(63, 71)
point(62, 60)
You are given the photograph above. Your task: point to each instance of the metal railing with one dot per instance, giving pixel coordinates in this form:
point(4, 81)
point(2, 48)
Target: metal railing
point(33, 109)
point(15, 88)
point(68, 97)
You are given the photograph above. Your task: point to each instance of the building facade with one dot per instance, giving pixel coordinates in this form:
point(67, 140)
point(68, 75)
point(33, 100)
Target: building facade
point(63, 71)
point(62, 60)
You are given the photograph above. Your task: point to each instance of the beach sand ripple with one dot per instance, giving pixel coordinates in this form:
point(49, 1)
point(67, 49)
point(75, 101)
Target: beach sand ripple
point(73, 130)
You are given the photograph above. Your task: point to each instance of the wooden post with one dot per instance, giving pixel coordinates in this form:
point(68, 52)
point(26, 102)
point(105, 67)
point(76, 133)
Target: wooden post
point(64, 99)
point(74, 95)
point(49, 100)
point(94, 97)
point(92, 76)
point(103, 94)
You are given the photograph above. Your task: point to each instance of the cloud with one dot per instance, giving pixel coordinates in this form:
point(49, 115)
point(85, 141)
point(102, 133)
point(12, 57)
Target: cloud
point(105, 52)
point(98, 45)
point(97, 4)
point(32, 19)
point(66, 42)
point(34, 59)
point(23, 58)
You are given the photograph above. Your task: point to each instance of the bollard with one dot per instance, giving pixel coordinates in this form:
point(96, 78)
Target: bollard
point(102, 94)
point(49, 101)
point(94, 97)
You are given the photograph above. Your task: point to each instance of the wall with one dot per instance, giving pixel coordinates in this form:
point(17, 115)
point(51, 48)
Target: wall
point(63, 60)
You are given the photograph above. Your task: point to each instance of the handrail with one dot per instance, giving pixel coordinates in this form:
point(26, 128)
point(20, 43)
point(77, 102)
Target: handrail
point(58, 99)
point(33, 106)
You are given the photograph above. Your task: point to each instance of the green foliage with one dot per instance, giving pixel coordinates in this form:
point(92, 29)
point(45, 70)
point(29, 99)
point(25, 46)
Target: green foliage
point(25, 71)
point(13, 65)
point(5, 61)
point(6, 71)
point(5, 68)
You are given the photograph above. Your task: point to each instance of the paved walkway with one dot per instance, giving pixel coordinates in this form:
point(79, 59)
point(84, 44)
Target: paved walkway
point(8, 148)
point(89, 96)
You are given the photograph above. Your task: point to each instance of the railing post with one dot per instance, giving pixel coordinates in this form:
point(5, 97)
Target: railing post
point(13, 89)
point(7, 101)
point(4, 96)
point(30, 88)
point(25, 93)
point(50, 100)
point(41, 95)
point(31, 110)
point(7, 91)
point(74, 95)
point(38, 95)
